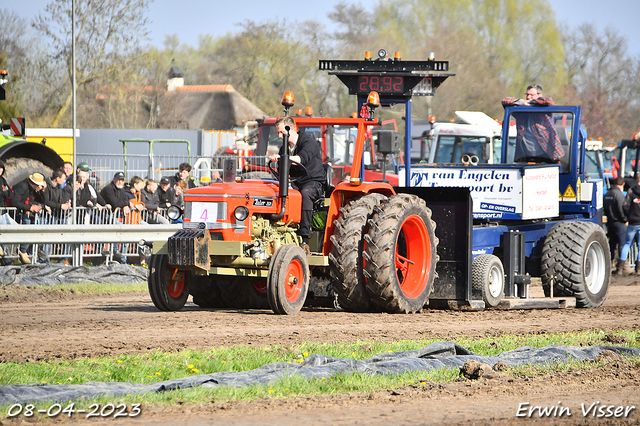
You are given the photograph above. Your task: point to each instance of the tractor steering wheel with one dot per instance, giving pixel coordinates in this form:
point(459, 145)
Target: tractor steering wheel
point(298, 166)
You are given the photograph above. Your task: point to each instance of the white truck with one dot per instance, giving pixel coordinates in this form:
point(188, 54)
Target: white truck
point(475, 139)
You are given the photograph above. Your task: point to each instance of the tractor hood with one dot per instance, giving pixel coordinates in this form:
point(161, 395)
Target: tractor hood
point(217, 202)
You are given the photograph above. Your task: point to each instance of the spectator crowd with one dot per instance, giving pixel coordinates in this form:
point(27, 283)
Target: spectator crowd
point(40, 199)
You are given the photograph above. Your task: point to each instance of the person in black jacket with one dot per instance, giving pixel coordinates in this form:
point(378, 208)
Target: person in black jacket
point(632, 209)
point(57, 201)
point(114, 195)
point(165, 193)
point(304, 150)
point(616, 220)
point(184, 173)
point(5, 198)
point(28, 198)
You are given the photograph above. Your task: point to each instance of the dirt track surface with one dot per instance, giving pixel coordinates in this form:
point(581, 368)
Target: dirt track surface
point(37, 325)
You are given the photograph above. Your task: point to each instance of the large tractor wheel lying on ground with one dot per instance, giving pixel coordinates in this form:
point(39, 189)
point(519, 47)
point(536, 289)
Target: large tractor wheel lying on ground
point(345, 258)
point(400, 254)
point(18, 169)
point(168, 287)
point(576, 261)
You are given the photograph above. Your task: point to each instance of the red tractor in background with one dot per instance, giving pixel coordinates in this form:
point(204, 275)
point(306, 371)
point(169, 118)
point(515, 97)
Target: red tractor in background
point(337, 143)
point(238, 247)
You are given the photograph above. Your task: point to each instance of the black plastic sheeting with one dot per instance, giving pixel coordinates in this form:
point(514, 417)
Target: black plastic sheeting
point(434, 356)
point(51, 274)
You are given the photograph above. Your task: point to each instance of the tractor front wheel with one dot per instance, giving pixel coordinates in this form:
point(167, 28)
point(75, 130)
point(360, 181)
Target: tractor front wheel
point(288, 280)
point(168, 286)
point(400, 254)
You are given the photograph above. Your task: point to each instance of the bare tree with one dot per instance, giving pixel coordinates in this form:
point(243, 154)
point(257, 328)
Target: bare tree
point(104, 27)
point(602, 78)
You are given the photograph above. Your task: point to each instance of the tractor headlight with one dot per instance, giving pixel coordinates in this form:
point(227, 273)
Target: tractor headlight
point(174, 212)
point(241, 213)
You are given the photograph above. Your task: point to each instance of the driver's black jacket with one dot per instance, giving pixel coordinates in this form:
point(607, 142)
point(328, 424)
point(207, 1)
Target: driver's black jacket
point(308, 149)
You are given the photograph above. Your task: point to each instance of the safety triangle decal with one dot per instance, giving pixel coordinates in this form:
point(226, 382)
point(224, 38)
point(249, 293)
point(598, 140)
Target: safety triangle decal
point(569, 194)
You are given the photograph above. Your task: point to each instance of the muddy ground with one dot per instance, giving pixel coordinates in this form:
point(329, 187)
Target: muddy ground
point(37, 324)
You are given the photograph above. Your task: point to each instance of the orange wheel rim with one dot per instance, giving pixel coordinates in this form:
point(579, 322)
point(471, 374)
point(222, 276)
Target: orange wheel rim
point(294, 281)
point(175, 284)
point(413, 261)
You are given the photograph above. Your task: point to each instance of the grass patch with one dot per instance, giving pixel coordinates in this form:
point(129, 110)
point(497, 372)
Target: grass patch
point(80, 288)
point(159, 366)
point(99, 288)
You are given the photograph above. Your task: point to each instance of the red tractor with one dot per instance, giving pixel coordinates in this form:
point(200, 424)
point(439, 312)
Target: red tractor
point(372, 249)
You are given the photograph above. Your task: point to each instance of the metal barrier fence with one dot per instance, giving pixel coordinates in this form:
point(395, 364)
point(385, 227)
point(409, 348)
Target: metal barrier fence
point(204, 170)
point(98, 235)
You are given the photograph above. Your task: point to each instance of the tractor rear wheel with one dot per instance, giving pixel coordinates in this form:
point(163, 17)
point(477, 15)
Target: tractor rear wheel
point(168, 286)
point(576, 261)
point(400, 254)
point(242, 292)
point(487, 278)
point(206, 293)
point(288, 280)
point(345, 258)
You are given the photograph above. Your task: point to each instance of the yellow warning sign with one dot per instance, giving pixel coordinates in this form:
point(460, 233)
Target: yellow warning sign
point(569, 194)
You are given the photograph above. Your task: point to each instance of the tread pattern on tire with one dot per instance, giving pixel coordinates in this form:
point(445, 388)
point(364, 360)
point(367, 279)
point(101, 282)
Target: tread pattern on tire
point(18, 169)
point(563, 254)
point(239, 293)
point(206, 293)
point(379, 255)
point(345, 259)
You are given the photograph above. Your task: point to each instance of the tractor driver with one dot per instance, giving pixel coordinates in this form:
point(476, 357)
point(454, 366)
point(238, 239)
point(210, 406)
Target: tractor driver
point(304, 150)
point(537, 139)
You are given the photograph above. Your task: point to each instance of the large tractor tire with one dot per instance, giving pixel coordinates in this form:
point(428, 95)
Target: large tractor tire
point(18, 169)
point(243, 292)
point(400, 254)
point(487, 278)
point(168, 287)
point(288, 280)
point(345, 258)
point(576, 261)
point(206, 293)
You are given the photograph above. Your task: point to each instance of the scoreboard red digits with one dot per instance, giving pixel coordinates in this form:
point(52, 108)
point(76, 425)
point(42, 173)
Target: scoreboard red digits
point(382, 84)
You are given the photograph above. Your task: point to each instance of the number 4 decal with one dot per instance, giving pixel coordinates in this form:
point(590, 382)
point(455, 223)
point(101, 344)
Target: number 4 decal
point(204, 215)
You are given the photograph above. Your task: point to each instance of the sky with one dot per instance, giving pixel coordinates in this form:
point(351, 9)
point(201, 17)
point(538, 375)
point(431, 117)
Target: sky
point(217, 17)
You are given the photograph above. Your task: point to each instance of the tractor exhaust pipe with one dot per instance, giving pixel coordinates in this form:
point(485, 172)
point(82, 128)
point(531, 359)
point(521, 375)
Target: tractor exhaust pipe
point(283, 166)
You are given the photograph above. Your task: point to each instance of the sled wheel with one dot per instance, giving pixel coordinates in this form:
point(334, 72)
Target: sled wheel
point(487, 278)
point(345, 258)
point(400, 254)
point(168, 286)
point(576, 260)
point(288, 280)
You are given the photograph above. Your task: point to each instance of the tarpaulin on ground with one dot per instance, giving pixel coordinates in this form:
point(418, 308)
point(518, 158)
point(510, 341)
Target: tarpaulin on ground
point(434, 356)
point(50, 274)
